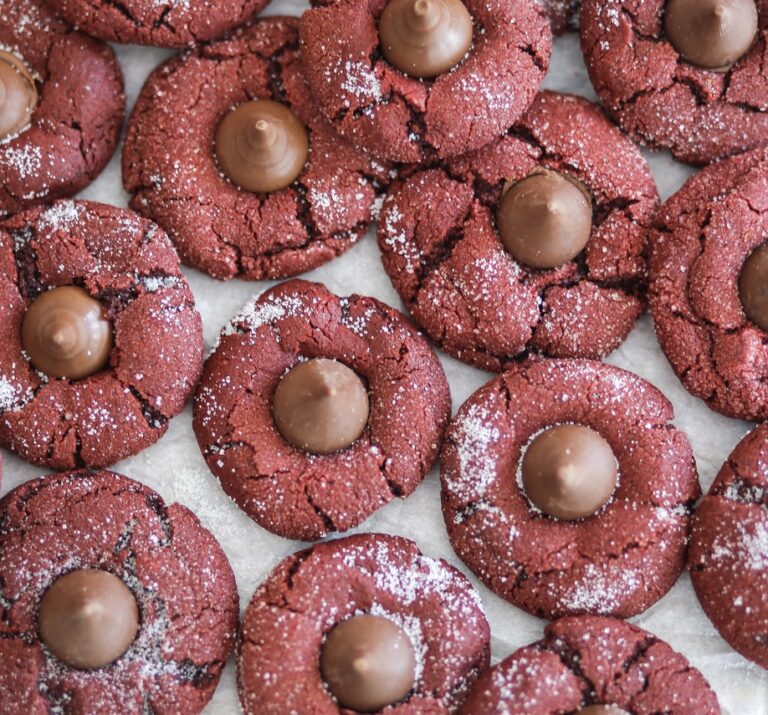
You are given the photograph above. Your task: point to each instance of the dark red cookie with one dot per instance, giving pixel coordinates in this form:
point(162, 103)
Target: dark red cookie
point(591, 660)
point(563, 14)
point(310, 592)
point(75, 125)
point(170, 167)
point(661, 99)
point(442, 251)
point(175, 569)
point(616, 562)
point(404, 119)
point(127, 264)
point(705, 233)
point(728, 557)
point(162, 23)
point(286, 490)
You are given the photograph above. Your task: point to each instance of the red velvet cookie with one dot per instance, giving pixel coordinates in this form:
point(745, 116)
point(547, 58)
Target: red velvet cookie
point(591, 660)
point(54, 261)
point(664, 100)
point(563, 14)
point(135, 559)
point(170, 164)
point(407, 119)
point(445, 253)
point(292, 620)
point(62, 108)
point(300, 493)
point(706, 233)
point(628, 550)
point(728, 557)
point(162, 23)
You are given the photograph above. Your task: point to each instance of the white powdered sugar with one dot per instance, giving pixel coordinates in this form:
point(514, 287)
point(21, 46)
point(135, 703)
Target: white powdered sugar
point(744, 547)
point(360, 80)
point(600, 591)
point(26, 161)
point(258, 313)
point(61, 215)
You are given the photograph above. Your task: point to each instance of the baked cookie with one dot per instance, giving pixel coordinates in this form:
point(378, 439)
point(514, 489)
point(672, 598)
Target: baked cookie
point(162, 23)
point(62, 106)
point(236, 201)
point(596, 666)
point(414, 80)
point(113, 601)
point(677, 75)
point(567, 490)
point(100, 341)
point(728, 558)
point(314, 411)
point(563, 14)
point(534, 243)
point(416, 622)
point(708, 269)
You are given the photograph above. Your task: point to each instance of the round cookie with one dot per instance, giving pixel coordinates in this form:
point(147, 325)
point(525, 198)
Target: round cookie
point(62, 526)
point(705, 235)
point(618, 561)
point(728, 557)
point(407, 119)
point(126, 266)
point(63, 133)
point(443, 251)
point(665, 101)
point(162, 23)
point(563, 14)
point(170, 164)
point(301, 494)
point(588, 661)
point(287, 624)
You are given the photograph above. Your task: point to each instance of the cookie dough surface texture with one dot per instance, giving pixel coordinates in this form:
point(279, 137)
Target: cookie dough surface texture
point(585, 661)
point(170, 165)
point(162, 23)
point(126, 265)
point(443, 252)
point(311, 592)
point(75, 106)
point(729, 543)
point(617, 561)
point(704, 237)
point(174, 568)
point(291, 491)
point(665, 101)
point(405, 119)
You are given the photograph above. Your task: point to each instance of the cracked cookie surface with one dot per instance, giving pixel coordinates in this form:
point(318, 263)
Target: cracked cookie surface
point(162, 23)
point(312, 591)
point(128, 264)
point(75, 127)
point(585, 660)
point(441, 249)
point(176, 570)
point(704, 235)
point(617, 562)
point(403, 119)
point(662, 100)
point(170, 167)
point(728, 558)
point(289, 491)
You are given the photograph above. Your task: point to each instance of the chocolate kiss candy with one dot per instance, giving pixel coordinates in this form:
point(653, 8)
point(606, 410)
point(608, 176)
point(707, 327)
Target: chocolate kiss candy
point(425, 38)
point(18, 94)
point(713, 34)
point(320, 406)
point(569, 472)
point(88, 618)
point(753, 287)
point(262, 146)
point(66, 334)
point(368, 663)
point(545, 219)
point(603, 710)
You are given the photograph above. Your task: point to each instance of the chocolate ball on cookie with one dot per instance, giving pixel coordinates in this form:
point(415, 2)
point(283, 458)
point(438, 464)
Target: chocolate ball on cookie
point(66, 333)
point(753, 286)
point(88, 618)
point(18, 94)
